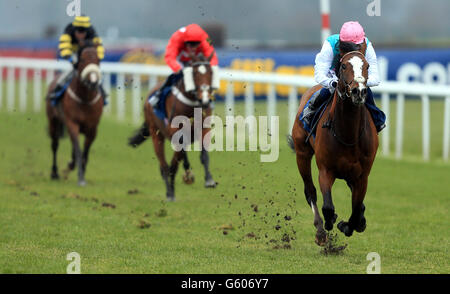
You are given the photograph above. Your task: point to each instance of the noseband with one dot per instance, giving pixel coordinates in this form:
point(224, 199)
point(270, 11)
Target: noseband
point(347, 86)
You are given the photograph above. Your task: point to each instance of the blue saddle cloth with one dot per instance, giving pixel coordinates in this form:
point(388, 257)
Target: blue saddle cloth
point(316, 117)
point(57, 96)
point(160, 108)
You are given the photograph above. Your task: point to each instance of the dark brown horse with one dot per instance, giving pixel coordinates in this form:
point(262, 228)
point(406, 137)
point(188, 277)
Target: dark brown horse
point(181, 103)
point(345, 146)
point(79, 111)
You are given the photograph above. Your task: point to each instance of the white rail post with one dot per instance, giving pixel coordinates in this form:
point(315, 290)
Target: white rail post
point(446, 137)
point(23, 89)
point(37, 89)
point(229, 99)
point(399, 126)
point(107, 86)
point(250, 106)
point(136, 85)
point(292, 108)
point(271, 105)
point(426, 127)
point(152, 81)
point(120, 101)
point(10, 89)
point(49, 76)
point(386, 132)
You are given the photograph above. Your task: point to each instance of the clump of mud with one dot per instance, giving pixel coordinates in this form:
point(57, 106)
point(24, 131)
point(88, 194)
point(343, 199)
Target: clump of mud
point(333, 246)
point(161, 213)
point(143, 224)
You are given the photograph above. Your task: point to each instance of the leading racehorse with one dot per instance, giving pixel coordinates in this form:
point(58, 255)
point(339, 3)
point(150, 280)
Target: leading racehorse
point(345, 147)
point(191, 92)
point(79, 110)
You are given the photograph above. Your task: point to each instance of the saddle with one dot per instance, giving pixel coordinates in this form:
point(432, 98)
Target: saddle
point(311, 128)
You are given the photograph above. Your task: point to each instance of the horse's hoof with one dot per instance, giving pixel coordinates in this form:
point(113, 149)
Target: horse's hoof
point(82, 183)
point(344, 227)
point(170, 198)
point(188, 177)
point(321, 238)
point(54, 176)
point(210, 183)
point(329, 225)
point(361, 227)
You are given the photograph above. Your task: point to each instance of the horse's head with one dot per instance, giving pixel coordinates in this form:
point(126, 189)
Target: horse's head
point(353, 73)
point(198, 77)
point(88, 66)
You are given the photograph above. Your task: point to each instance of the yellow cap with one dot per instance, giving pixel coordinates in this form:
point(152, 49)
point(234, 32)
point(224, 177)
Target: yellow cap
point(82, 21)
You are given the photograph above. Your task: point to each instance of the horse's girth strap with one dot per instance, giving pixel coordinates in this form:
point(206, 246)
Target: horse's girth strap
point(77, 99)
point(183, 99)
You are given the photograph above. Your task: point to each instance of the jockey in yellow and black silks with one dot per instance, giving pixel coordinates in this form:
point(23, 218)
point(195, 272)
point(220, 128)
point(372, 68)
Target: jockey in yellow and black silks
point(76, 34)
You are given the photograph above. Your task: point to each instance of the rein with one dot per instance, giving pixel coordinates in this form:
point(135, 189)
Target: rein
point(330, 122)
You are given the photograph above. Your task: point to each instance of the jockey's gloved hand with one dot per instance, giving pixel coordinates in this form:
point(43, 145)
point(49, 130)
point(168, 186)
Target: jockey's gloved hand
point(73, 59)
point(332, 86)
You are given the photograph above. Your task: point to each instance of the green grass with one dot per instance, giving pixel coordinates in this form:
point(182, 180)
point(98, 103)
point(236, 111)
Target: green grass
point(42, 221)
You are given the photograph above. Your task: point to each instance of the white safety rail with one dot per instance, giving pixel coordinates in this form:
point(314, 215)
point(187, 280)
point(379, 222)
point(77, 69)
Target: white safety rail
point(136, 71)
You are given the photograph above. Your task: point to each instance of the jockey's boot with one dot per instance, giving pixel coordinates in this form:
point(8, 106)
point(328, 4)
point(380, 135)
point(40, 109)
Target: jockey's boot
point(314, 104)
point(60, 84)
point(379, 118)
point(154, 98)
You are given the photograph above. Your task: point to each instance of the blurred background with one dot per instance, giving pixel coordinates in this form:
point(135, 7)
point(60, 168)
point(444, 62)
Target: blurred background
point(411, 37)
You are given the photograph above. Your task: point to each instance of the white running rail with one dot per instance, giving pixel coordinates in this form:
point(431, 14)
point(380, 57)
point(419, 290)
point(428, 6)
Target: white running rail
point(387, 88)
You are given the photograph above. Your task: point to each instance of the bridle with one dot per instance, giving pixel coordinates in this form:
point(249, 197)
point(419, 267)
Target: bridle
point(330, 123)
point(347, 86)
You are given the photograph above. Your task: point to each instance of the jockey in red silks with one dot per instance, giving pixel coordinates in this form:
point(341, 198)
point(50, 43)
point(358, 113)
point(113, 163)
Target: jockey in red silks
point(350, 38)
point(191, 39)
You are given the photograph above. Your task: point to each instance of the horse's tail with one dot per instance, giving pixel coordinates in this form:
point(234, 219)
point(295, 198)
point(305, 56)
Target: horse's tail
point(140, 136)
point(290, 142)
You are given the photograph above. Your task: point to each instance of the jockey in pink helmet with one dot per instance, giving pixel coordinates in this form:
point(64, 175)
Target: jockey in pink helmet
point(350, 38)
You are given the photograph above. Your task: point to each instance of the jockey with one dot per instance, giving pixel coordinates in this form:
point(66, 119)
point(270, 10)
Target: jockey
point(75, 35)
point(191, 39)
point(350, 38)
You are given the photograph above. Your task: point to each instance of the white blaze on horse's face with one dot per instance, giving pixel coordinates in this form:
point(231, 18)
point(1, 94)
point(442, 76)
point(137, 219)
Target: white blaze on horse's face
point(91, 73)
point(205, 93)
point(357, 65)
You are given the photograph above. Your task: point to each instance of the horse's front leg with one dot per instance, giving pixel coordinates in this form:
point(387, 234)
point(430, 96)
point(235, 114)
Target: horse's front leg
point(204, 157)
point(188, 177)
point(74, 131)
point(357, 220)
point(326, 180)
point(90, 137)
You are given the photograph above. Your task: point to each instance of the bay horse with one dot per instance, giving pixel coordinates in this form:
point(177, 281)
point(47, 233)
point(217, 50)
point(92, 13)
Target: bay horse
point(79, 111)
point(180, 102)
point(345, 146)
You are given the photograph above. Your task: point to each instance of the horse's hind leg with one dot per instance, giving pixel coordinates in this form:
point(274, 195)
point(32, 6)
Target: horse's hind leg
point(304, 154)
point(357, 220)
point(54, 134)
point(326, 180)
point(158, 144)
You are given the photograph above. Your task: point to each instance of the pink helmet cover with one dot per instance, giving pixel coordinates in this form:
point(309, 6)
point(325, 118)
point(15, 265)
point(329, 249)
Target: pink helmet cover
point(352, 31)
